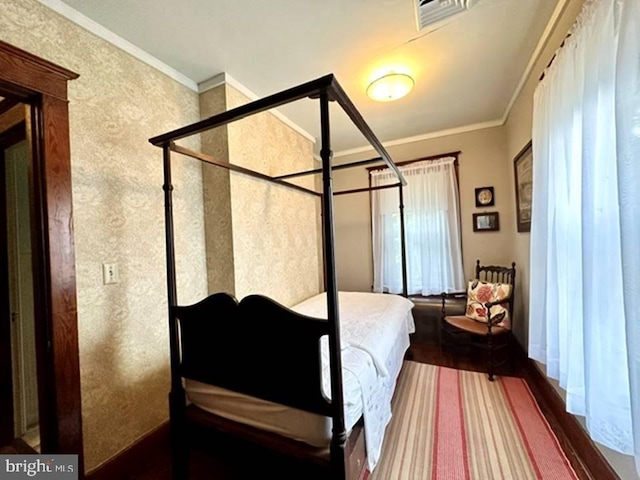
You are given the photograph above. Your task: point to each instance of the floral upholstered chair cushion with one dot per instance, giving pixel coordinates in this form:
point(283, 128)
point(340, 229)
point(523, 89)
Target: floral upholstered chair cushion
point(479, 293)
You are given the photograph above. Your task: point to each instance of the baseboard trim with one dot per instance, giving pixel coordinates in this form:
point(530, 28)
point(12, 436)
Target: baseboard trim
point(135, 457)
point(573, 438)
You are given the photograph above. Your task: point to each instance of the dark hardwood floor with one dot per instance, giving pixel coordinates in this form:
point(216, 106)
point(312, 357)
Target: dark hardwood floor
point(471, 360)
point(229, 459)
point(17, 446)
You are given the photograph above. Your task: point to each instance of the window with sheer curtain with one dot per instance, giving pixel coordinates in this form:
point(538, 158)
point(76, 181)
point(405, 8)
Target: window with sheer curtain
point(585, 229)
point(432, 229)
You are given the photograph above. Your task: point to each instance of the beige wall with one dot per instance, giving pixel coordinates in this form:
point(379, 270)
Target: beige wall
point(115, 106)
point(216, 185)
point(264, 238)
point(275, 229)
point(483, 162)
point(519, 130)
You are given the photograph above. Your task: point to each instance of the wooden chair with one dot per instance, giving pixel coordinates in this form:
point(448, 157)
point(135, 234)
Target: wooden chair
point(487, 322)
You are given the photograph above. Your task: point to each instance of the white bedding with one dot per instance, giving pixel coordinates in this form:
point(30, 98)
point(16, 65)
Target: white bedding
point(369, 321)
point(374, 336)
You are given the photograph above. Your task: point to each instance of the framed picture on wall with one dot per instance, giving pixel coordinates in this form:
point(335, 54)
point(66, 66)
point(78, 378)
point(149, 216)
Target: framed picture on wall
point(523, 169)
point(486, 222)
point(485, 197)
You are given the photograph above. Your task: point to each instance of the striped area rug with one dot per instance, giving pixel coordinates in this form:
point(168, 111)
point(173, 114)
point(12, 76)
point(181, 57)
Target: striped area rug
point(455, 425)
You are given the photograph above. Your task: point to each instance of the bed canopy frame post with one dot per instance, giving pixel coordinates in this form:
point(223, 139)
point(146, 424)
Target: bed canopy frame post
point(177, 402)
point(403, 246)
point(324, 248)
point(339, 434)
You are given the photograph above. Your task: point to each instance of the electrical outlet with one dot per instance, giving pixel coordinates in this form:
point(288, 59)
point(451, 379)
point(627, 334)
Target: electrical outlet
point(110, 273)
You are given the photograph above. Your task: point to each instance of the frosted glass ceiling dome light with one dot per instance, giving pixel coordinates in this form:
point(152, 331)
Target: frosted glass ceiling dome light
point(389, 87)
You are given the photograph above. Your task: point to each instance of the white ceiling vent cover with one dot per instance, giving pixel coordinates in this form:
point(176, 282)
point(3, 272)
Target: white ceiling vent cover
point(429, 12)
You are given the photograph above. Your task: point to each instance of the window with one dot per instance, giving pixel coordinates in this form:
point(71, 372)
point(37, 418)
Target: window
point(432, 229)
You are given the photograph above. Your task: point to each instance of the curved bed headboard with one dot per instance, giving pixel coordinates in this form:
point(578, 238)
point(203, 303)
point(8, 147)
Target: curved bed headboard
point(256, 347)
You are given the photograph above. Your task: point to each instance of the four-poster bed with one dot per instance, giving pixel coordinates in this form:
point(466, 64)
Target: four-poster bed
point(283, 358)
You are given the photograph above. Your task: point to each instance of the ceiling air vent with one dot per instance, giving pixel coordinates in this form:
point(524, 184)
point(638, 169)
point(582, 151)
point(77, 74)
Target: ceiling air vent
point(432, 11)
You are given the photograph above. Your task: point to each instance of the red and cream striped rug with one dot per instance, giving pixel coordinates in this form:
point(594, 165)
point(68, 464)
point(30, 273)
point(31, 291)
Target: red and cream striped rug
point(456, 425)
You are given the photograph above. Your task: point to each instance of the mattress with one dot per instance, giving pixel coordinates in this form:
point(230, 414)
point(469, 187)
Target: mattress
point(371, 365)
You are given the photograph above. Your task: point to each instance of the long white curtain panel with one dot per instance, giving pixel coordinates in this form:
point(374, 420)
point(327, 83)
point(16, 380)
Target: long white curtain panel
point(585, 231)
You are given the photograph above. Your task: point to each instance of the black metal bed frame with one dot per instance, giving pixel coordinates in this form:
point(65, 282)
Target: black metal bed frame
point(325, 89)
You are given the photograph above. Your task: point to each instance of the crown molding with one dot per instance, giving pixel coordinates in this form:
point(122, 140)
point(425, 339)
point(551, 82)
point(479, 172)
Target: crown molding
point(535, 56)
point(225, 78)
point(212, 82)
point(111, 37)
point(424, 136)
point(90, 25)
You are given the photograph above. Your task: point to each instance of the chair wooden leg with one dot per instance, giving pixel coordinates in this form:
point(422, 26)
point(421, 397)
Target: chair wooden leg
point(510, 352)
point(490, 341)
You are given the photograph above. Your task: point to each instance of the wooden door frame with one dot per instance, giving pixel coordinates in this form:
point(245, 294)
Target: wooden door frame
point(43, 85)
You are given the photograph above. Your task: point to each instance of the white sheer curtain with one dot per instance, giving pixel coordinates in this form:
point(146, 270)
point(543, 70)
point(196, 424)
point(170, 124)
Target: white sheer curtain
point(585, 237)
point(432, 229)
point(628, 137)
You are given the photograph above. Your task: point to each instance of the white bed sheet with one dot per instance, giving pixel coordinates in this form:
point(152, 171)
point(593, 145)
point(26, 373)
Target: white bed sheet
point(369, 321)
point(370, 368)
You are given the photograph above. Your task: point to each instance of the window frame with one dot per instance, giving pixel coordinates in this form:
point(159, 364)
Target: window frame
point(456, 165)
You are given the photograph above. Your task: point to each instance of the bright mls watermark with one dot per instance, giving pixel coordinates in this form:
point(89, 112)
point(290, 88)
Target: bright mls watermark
point(51, 467)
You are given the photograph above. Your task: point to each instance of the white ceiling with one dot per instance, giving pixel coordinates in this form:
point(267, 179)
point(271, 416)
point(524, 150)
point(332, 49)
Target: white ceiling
point(466, 70)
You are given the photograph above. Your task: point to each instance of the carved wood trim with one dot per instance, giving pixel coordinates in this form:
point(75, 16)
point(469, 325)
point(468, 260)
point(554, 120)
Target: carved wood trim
point(62, 280)
point(25, 70)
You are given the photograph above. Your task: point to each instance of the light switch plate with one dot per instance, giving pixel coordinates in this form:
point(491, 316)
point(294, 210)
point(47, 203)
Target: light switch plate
point(110, 273)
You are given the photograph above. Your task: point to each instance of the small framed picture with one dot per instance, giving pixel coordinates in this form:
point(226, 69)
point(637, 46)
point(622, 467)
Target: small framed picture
point(486, 222)
point(485, 197)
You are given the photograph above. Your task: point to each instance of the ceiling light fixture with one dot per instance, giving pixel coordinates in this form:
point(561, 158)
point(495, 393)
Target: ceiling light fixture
point(389, 87)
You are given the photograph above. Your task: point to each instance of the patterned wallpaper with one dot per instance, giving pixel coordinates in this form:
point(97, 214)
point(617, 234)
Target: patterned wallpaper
point(115, 106)
point(275, 229)
point(216, 186)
